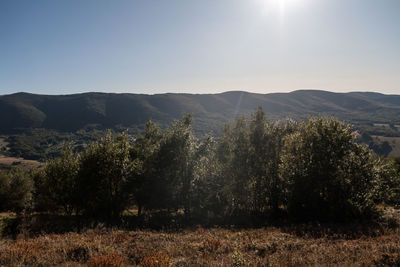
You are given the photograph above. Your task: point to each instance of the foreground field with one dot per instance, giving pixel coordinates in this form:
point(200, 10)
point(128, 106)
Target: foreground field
point(205, 247)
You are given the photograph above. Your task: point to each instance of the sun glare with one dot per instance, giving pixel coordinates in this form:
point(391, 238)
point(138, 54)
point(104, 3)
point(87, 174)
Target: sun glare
point(279, 7)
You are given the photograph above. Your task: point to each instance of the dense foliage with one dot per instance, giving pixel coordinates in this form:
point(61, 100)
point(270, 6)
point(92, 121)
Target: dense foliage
point(256, 168)
point(327, 174)
point(16, 189)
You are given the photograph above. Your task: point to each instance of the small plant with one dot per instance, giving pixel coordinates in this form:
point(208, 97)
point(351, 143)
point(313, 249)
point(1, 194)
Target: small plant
point(157, 260)
point(24, 252)
point(137, 254)
point(200, 230)
point(238, 259)
point(211, 245)
point(78, 254)
point(386, 259)
point(107, 260)
point(120, 238)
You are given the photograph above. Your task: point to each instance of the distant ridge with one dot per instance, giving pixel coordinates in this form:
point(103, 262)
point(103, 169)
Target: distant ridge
point(111, 110)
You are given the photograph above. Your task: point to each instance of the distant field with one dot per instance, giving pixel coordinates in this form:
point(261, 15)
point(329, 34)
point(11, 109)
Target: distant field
point(3, 144)
point(394, 143)
point(387, 125)
point(7, 162)
point(24, 164)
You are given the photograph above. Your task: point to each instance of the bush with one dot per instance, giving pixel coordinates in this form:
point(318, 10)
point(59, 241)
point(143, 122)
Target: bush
point(156, 260)
point(108, 260)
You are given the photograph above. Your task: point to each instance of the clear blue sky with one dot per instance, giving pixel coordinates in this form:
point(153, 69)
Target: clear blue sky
point(199, 46)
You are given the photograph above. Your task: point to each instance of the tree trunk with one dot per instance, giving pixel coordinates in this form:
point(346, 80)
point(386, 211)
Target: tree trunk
point(139, 213)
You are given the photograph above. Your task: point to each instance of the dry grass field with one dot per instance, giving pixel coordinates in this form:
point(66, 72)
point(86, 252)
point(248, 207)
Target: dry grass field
point(211, 247)
point(302, 245)
point(394, 143)
point(20, 162)
point(6, 162)
point(3, 143)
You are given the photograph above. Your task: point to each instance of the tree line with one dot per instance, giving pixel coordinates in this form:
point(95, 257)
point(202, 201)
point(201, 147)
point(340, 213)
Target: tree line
point(256, 168)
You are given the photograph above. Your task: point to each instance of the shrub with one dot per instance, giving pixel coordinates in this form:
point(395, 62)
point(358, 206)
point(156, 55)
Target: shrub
point(107, 260)
point(78, 253)
point(156, 260)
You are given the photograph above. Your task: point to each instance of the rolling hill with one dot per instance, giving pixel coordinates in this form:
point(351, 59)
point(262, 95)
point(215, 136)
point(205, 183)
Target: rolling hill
point(109, 110)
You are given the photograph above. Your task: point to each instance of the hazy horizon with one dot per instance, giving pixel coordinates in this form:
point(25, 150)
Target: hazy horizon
point(199, 47)
point(193, 93)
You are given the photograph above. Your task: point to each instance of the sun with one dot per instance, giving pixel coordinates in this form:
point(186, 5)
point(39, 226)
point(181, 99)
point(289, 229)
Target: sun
point(281, 3)
point(279, 7)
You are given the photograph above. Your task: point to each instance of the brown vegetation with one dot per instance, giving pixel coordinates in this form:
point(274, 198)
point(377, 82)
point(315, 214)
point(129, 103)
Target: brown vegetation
point(271, 246)
point(20, 162)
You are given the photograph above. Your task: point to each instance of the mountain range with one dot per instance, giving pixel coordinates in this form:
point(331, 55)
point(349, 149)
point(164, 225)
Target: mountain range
point(111, 110)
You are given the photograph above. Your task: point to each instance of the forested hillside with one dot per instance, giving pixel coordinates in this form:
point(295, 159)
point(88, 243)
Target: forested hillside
point(73, 112)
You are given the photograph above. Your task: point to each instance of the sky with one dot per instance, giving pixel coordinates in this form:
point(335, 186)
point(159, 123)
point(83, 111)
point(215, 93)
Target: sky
point(199, 46)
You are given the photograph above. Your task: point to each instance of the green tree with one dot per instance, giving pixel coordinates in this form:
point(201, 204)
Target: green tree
point(222, 167)
point(144, 150)
point(240, 185)
point(266, 143)
point(209, 198)
point(328, 174)
point(104, 172)
point(175, 166)
point(57, 184)
point(387, 175)
point(16, 189)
